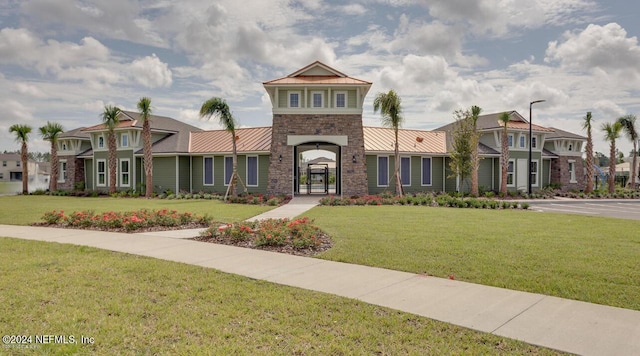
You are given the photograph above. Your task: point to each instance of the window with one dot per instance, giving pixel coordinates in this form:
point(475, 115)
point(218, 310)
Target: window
point(383, 171)
point(294, 99)
point(18, 163)
point(124, 140)
point(4, 163)
point(570, 148)
point(101, 168)
point(341, 99)
point(64, 146)
point(534, 142)
point(317, 99)
point(228, 169)
point(208, 170)
point(426, 170)
point(510, 136)
point(252, 171)
point(124, 172)
point(62, 175)
point(1, 175)
point(510, 173)
point(523, 143)
point(405, 170)
point(534, 173)
point(101, 142)
point(572, 172)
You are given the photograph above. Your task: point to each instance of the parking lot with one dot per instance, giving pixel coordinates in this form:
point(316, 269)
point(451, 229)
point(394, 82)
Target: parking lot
point(623, 209)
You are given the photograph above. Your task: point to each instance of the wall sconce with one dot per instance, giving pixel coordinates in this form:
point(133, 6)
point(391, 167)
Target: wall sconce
point(354, 159)
point(317, 146)
point(280, 158)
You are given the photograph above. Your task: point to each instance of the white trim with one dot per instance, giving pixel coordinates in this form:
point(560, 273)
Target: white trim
point(295, 140)
point(314, 92)
point(98, 146)
point(121, 173)
point(534, 139)
point(106, 173)
point(535, 183)
point(378, 171)
point(335, 100)
point(289, 93)
point(572, 172)
point(522, 141)
point(122, 139)
point(177, 174)
point(246, 160)
point(61, 172)
point(513, 173)
point(401, 158)
point(513, 140)
point(430, 171)
point(204, 172)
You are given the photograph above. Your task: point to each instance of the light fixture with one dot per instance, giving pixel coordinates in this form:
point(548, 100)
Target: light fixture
point(354, 159)
point(317, 146)
point(530, 141)
point(280, 158)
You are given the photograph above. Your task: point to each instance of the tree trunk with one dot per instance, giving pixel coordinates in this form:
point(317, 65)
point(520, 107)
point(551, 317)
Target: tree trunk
point(112, 162)
point(55, 169)
point(633, 172)
point(397, 166)
point(505, 162)
point(612, 167)
point(148, 158)
point(590, 171)
point(25, 168)
point(234, 175)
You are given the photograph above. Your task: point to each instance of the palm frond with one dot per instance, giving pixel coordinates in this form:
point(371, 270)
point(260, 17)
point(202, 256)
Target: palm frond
point(22, 132)
point(144, 106)
point(51, 131)
point(110, 116)
point(218, 107)
point(390, 107)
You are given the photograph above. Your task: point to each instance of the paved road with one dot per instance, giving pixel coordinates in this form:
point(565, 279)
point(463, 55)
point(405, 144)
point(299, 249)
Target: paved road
point(623, 209)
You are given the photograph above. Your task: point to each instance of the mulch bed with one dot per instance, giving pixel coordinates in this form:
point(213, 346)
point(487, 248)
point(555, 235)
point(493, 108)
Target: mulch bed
point(325, 244)
point(123, 230)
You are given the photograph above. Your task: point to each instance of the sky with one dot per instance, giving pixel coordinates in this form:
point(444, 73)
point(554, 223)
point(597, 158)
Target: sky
point(64, 60)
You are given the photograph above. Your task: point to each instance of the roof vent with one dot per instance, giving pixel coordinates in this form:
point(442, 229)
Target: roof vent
point(419, 139)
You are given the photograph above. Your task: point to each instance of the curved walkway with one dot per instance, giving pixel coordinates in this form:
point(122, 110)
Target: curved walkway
point(566, 325)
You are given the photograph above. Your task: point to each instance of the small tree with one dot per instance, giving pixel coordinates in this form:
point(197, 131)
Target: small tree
point(475, 142)
point(22, 136)
point(50, 132)
point(628, 123)
point(612, 133)
point(144, 105)
point(110, 117)
point(462, 149)
point(218, 107)
point(504, 118)
point(586, 125)
point(390, 108)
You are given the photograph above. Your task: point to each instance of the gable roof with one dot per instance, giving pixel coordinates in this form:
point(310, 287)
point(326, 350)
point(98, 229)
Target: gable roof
point(253, 139)
point(381, 139)
point(75, 133)
point(492, 122)
point(560, 134)
point(317, 73)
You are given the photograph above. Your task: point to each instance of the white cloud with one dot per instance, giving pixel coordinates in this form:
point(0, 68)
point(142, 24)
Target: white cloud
point(29, 90)
point(151, 72)
point(605, 48)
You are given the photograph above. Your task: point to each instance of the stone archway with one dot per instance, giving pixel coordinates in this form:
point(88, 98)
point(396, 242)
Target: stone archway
point(317, 176)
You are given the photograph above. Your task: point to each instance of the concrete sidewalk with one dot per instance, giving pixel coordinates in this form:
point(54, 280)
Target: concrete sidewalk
point(567, 325)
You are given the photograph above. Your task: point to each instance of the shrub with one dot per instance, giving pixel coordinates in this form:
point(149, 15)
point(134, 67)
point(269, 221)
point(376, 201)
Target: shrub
point(53, 217)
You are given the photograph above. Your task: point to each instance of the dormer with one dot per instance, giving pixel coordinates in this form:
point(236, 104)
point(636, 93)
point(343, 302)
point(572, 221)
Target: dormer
point(564, 143)
point(317, 89)
point(73, 142)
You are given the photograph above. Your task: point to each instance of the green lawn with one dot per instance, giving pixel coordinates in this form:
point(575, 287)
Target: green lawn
point(133, 305)
point(25, 210)
point(592, 259)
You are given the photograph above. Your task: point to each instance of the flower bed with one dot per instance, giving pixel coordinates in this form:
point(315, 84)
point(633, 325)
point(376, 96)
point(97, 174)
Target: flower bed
point(428, 199)
point(131, 221)
point(299, 237)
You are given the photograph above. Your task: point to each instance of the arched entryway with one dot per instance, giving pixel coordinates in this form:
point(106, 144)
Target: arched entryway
point(317, 168)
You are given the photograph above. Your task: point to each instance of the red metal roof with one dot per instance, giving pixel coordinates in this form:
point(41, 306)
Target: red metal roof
point(253, 139)
point(518, 125)
point(381, 139)
point(319, 79)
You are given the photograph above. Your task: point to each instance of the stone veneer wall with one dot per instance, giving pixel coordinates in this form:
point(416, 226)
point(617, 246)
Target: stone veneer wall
point(75, 172)
point(560, 172)
point(354, 175)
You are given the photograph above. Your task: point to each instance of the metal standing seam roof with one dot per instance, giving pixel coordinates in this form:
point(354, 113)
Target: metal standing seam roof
point(319, 79)
point(525, 126)
point(253, 139)
point(381, 139)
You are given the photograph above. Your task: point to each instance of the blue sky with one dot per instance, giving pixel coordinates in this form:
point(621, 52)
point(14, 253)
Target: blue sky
point(64, 60)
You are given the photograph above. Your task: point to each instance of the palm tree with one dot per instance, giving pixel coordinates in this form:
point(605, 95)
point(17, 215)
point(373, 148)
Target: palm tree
point(475, 160)
point(50, 132)
point(629, 126)
point(144, 105)
point(586, 125)
point(110, 118)
point(218, 107)
point(390, 108)
point(22, 136)
point(504, 154)
point(612, 133)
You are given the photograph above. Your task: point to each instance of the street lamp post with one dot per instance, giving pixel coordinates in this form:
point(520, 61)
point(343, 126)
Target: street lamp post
point(530, 142)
